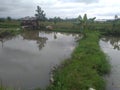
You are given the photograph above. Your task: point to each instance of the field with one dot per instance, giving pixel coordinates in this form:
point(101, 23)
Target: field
point(87, 65)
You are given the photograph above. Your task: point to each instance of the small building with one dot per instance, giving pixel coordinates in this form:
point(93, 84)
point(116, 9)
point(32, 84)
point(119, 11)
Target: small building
point(29, 23)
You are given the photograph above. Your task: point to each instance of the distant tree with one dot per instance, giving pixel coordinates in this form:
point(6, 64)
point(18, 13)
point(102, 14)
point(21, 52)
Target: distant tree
point(115, 23)
point(56, 19)
point(2, 19)
point(116, 17)
point(9, 18)
point(40, 15)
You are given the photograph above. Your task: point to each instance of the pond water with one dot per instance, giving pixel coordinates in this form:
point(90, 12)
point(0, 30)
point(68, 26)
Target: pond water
point(26, 60)
point(111, 46)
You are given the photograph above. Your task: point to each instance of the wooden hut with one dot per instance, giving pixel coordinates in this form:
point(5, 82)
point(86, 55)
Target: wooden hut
point(29, 23)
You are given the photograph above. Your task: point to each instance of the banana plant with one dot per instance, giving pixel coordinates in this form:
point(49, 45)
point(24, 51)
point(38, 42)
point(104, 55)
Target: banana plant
point(84, 21)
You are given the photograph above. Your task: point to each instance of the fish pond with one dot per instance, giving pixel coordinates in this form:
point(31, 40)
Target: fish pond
point(111, 46)
point(26, 60)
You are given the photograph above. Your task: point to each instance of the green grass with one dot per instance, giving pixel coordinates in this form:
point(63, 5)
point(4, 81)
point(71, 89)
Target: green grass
point(9, 32)
point(86, 67)
point(61, 25)
point(10, 24)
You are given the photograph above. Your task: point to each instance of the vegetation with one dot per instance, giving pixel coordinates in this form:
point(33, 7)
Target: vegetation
point(40, 15)
point(85, 68)
point(9, 24)
point(88, 64)
point(6, 33)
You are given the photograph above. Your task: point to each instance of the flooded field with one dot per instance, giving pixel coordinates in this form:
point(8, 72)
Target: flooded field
point(27, 59)
point(111, 46)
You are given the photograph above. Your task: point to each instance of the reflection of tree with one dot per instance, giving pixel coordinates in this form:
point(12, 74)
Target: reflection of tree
point(114, 41)
point(34, 35)
point(77, 37)
point(3, 40)
point(55, 35)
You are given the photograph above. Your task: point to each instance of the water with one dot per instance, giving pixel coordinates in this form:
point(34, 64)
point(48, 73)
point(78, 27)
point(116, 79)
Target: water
point(26, 60)
point(111, 46)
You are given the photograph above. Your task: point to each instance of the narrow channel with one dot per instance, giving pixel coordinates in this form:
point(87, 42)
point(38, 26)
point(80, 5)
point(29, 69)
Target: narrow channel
point(111, 46)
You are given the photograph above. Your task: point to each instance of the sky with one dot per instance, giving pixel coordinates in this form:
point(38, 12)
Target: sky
point(101, 9)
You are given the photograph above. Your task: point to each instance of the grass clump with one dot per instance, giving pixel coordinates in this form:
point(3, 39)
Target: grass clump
point(85, 68)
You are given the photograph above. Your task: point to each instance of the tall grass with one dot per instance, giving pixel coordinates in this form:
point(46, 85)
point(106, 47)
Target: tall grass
point(10, 24)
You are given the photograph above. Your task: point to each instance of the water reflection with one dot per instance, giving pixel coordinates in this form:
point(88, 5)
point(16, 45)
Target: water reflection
point(26, 59)
point(111, 46)
point(114, 41)
point(40, 37)
point(3, 40)
point(40, 41)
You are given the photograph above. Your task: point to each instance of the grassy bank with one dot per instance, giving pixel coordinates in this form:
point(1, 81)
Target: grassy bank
point(9, 32)
point(10, 24)
point(85, 68)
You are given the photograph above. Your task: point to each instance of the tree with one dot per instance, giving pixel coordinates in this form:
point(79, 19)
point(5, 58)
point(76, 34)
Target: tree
point(115, 23)
point(40, 15)
point(56, 19)
point(9, 18)
point(2, 19)
point(116, 17)
point(83, 22)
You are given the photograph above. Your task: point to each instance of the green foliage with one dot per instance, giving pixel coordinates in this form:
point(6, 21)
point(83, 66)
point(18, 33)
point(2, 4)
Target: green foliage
point(85, 68)
point(10, 24)
point(2, 19)
point(62, 26)
point(9, 18)
point(83, 22)
point(56, 19)
point(6, 33)
point(40, 15)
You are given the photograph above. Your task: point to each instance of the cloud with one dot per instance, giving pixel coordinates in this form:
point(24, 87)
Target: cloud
point(81, 1)
point(16, 8)
point(61, 8)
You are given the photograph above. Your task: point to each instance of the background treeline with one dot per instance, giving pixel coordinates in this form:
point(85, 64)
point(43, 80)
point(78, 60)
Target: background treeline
point(81, 23)
point(109, 27)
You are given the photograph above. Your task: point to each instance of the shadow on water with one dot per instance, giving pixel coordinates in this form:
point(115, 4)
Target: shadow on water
point(111, 46)
point(26, 60)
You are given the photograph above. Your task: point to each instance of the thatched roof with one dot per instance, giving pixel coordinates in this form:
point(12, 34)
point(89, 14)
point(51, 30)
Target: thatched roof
point(29, 18)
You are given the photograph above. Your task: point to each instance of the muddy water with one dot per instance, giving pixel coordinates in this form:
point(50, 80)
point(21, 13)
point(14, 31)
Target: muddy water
point(111, 46)
point(26, 60)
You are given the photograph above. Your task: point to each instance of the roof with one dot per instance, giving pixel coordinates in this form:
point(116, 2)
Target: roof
point(29, 18)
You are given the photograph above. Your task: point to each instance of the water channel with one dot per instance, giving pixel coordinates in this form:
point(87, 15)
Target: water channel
point(26, 59)
point(111, 46)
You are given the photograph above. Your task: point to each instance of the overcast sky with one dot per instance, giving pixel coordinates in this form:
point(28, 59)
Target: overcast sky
point(101, 9)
